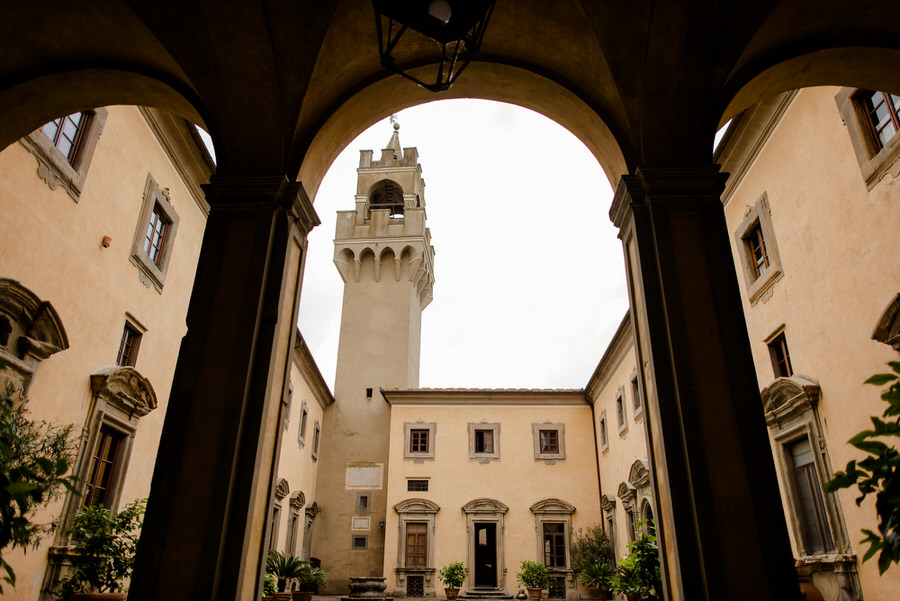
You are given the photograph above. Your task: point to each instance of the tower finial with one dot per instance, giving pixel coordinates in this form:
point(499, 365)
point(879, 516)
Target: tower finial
point(394, 122)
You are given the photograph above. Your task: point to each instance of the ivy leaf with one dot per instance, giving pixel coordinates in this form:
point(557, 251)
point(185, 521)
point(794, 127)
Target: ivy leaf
point(881, 379)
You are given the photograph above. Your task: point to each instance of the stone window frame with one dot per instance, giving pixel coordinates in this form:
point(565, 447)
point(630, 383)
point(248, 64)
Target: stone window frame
point(119, 398)
point(418, 511)
point(608, 507)
point(295, 525)
point(791, 413)
point(556, 511)
point(637, 399)
point(282, 489)
point(759, 215)
point(887, 330)
point(560, 428)
point(418, 480)
point(153, 273)
point(485, 510)
point(57, 170)
point(362, 538)
point(775, 342)
point(603, 432)
point(359, 503)
point(874, 162)
point(419, 424)
point(311, 511)
point(137, 331)
point(302, 424)
point(627, 493)
point(484, 425)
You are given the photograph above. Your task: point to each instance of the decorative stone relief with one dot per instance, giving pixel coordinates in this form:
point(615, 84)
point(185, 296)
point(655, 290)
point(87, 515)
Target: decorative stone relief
point(125, 389)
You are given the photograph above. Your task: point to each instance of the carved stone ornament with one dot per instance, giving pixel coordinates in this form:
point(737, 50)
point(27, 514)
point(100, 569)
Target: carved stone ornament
point(312, 510)
point(36, 329)
point(627, 493)
point(639, 474)
point(298, 500)
point(126, 389)
point(282, 489)
point(888, 328)
point(553, 506)
point(485, 506)
point(608, 502)
point(417, 506)
point(786, 398)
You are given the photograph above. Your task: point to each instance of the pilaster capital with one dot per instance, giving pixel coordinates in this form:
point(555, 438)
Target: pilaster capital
point(252, 191)
point(668, 184)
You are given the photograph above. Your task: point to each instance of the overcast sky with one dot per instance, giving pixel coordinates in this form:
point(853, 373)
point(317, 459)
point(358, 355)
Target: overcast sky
point(529, 275)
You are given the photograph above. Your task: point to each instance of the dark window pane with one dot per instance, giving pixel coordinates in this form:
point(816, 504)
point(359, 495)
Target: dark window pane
point(103, 463)
point(554, 545)
point(817, 535)
point(549, 441)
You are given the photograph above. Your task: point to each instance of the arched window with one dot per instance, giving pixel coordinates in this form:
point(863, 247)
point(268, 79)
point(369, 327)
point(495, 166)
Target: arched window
point(387, 194)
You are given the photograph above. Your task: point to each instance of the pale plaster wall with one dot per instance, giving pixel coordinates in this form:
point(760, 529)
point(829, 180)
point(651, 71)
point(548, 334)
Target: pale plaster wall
point(516, 480)
point(626, 446)
point(838, 246)
point(51, 245)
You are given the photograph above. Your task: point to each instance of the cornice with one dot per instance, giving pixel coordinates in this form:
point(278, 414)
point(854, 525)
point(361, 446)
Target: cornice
point(501, 397)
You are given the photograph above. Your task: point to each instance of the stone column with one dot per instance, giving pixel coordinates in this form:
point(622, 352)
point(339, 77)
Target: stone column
point(204, 532)
point(721, 523)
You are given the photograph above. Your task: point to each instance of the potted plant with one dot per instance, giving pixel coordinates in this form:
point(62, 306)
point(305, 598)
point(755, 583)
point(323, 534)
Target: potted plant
point(591, 546)
point(270, 586)
point(285, 568)
point(453, 576)
point(535, 577)
point(638, 575)
point(597, 577)
point(308, 580)
point(102, 555)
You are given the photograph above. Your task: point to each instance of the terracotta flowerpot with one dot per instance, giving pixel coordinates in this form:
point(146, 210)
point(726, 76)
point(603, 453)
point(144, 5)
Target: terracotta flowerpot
point(302, 595)
point(284, 596)
point(600, 594)
point(451, 592)
point(98, 596)
point(534, 594)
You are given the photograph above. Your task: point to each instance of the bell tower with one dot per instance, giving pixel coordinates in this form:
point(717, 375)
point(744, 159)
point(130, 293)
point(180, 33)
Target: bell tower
point(383, 252)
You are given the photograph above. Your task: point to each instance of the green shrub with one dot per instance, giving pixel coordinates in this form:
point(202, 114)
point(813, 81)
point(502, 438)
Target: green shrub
point(591, 546)
point(638, 573)
point(453, 575)
point(34, 459)
point(105, 543)
point(597, 575)
point(879, 473)
point(534, 575)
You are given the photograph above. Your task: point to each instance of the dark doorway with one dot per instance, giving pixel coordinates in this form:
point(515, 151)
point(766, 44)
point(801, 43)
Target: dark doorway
point(486, 554)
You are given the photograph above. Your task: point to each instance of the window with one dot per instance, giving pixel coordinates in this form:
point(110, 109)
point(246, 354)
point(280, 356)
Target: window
point(128, 346)
point(554, 545)
point(802, 462)
point(549, 441)
point(557, 588)
point(360, 542)
point(417, 485)
point(757, 252)
point(103, 464)
point(636, 396)
point(362, 502)
point(368, 393)
point(608, 505)
point(781, 359)
point(880, 110)
point(416, 544)
point(604, 433)
point(872, 124)
point(817, 536)
point(273, 529)
point(553, 524)
point(316, 436)
point(418, 440)
point(295, 525)
point(620, 411)
point(64, 148)
point(484, 441)
point(65, 133)
point(155, 235)
point(301, 430)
